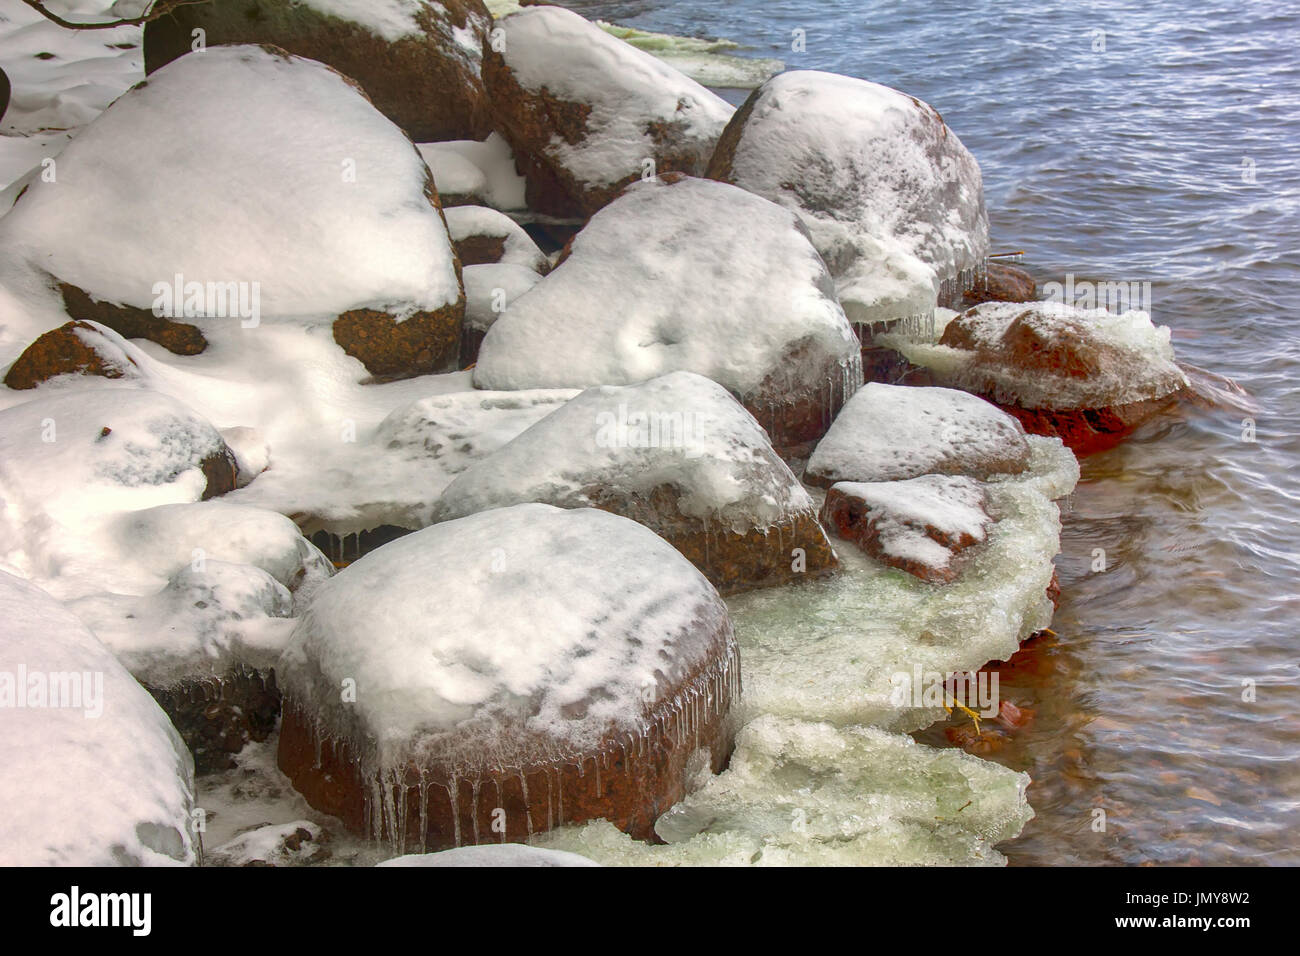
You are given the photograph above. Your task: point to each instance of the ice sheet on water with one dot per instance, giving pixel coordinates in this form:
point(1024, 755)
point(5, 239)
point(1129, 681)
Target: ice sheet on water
point(849, 636)
point(81, 789)
point(808, 794)
point(680, 429)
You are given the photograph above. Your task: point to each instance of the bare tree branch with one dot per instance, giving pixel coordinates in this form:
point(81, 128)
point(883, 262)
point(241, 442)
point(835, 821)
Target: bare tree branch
point(158, 9)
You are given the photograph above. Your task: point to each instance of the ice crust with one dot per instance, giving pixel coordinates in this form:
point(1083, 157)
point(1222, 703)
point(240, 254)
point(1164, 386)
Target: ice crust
point(491, 854)
point(953, 505)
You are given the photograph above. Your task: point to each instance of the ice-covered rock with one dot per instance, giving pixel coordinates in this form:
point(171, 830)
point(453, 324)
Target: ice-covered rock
point(1000, 282)
point(337, 224)
point(892, 432)
point(567, 665)
point(492, 854)
point(75, 348)
point(419, 61)
point(922, 525)
point(852, 635)
point(94, 774)
point(808, 794)
point(687, 275)
point(893, 200)
point(1089, 376)
point(677, 454)
point(587, 113)
point(470, 172)
point(483, 236)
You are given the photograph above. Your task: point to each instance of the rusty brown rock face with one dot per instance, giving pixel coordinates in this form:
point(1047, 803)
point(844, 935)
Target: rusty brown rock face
point(63, 351)
point(1002, 283)
point(429, 807)
point(733, 561)
point(480, 250)
point(795, 414)
point(128, 321)
point(426, 342)
point(425, 82)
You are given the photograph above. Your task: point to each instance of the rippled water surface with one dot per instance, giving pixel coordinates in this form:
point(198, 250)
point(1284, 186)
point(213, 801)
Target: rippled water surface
point(1145, 142)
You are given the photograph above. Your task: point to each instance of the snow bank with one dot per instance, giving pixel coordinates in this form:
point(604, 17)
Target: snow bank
point(891, 432)
point(695, 276)
point(321, 199)
point(492, 854)
point(680, 429)
point(808, 794)
point(540, 640)
point(102, 780)
point(894, 202)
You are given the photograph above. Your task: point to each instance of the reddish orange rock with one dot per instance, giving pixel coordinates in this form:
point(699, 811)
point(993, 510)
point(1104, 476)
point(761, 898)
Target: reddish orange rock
point(75, 348)
point(999, 282)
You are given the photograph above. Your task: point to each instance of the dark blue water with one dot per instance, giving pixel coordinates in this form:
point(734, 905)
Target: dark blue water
point(1158, 142)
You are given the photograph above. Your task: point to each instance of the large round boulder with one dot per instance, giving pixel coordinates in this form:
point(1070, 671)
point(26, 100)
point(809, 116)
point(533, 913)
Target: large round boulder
point(492, 677)
point(419, 61)
point(238, 187)
point(677, 454)
point(588, 113)
point(893, 200)
point(682, 274)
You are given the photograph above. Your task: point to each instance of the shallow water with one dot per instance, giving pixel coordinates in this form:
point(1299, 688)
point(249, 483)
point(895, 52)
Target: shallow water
point(1164, 151)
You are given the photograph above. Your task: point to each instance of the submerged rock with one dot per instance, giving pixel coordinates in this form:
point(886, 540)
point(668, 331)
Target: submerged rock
point(95, 775)
point(420, 62)
point(687, 275)
point(922, 525)
point(569, 665)
point(894, 432)
point(587, 114)
point(1087, 376)
point(76, 348)
point(308, 231)
point(676, 454)
point(893, 200)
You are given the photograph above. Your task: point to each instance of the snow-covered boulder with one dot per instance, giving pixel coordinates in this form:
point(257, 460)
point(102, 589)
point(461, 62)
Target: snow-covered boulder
point(1089, 376)
point(94, 774)
point(489, 290)
point(587, 113)
point(684, 274)
point(677, 454)
point(492, 854)
point(293, 200)
point(521, 667)
point(922, 525)
point(74, 348)
point(893, 200)
point(483, 236)
point(893, 432)
point(419, 61)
